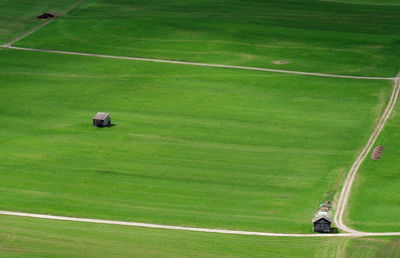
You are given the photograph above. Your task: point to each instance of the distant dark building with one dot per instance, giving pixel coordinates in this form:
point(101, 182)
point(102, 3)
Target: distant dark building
point(322, 224)
point(46, 16)
point(102, 119)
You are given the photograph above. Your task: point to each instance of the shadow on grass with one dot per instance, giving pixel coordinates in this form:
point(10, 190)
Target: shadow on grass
point(334, 230)
point(111, 125)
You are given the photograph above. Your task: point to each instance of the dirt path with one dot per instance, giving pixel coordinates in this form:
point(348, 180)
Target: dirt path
point(9, 44)
point(345, 194)
point(198, 64)
point(207, 230)
point(29, 32)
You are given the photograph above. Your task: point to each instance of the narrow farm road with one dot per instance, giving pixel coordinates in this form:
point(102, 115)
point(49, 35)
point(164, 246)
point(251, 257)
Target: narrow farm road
point(345, 194)
point(198, 64)
point(207, 230)
point(29, 32)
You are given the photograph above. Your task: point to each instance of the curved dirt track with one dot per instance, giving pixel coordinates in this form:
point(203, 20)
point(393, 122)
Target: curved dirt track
point(345, 194)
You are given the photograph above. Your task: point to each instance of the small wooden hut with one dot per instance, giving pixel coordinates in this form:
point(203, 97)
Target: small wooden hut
point(322, 224)
point(102, 119)
point(46, 16)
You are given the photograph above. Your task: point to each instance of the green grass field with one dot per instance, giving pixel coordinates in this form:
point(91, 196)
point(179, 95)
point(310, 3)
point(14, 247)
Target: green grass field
point(195, 146)
point(191, 146)
point(375, 204)
point(314, 36)
point(21, 237)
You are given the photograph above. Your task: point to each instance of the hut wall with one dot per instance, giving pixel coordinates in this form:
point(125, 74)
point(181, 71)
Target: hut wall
point(322, 226)
point(102, 123)
point(107, 121)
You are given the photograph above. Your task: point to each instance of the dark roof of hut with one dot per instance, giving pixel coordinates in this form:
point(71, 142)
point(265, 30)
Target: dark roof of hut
point(321, 217)
point(101, 116)
point(46, 16)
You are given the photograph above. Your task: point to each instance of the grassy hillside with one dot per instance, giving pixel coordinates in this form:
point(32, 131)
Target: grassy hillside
point(18, 16)
point(375, 202)
point(23, 237)
point(314, 36)
point(190, 146)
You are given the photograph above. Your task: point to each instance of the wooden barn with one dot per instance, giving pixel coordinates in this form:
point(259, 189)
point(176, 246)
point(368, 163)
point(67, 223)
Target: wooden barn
point(322, 224)
point(102, 119)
